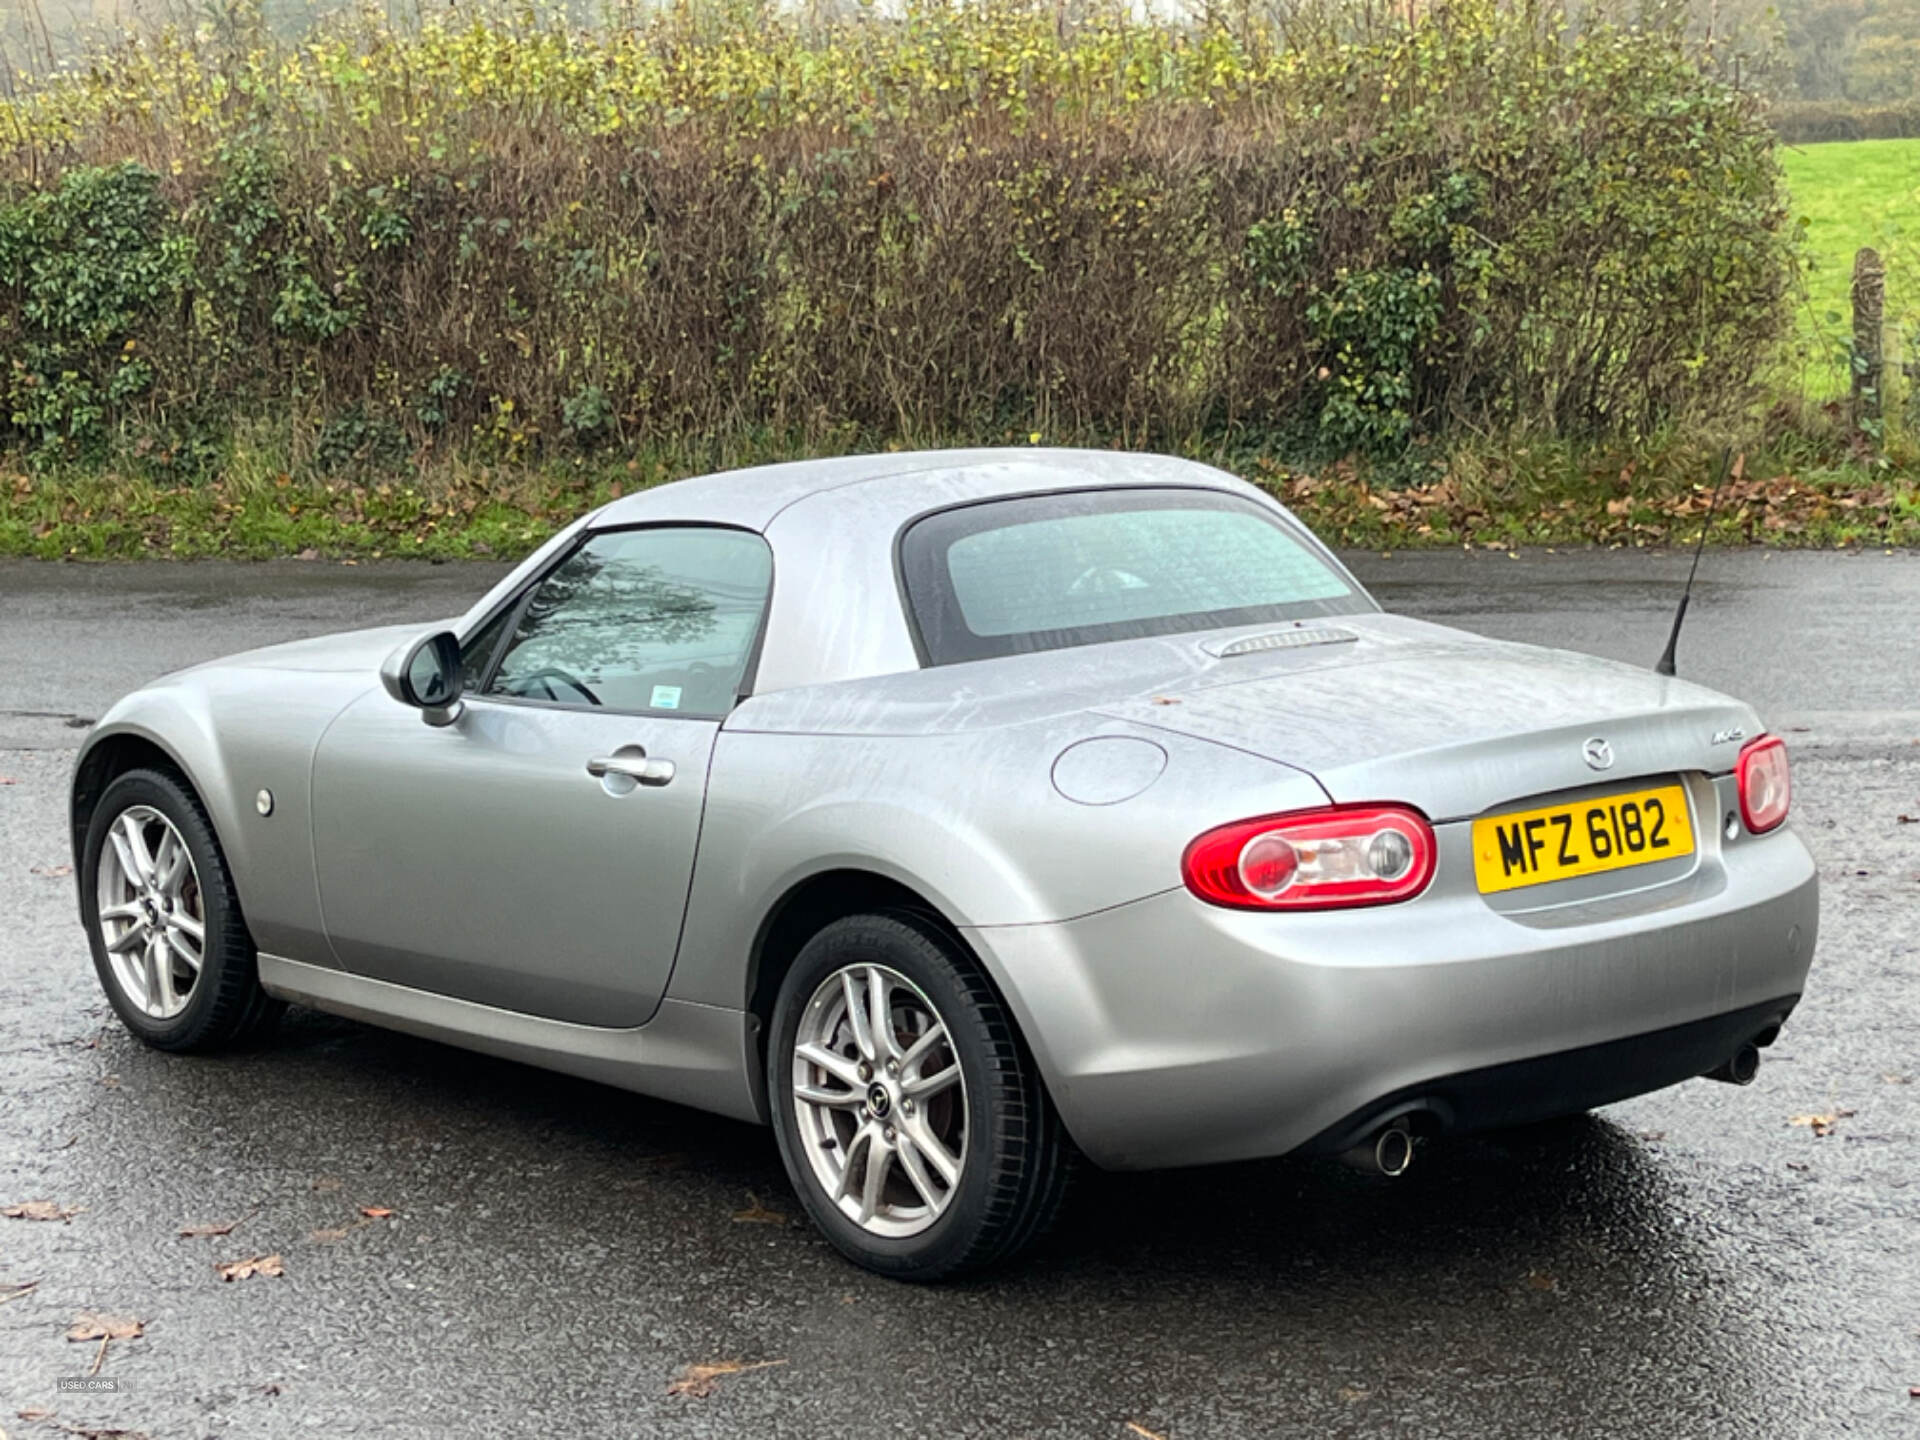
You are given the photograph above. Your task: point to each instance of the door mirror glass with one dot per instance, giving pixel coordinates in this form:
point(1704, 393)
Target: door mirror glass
point(433, 675)
point(427, 676)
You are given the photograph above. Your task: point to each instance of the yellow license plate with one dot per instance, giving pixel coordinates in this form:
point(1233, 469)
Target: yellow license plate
point(1588, 837)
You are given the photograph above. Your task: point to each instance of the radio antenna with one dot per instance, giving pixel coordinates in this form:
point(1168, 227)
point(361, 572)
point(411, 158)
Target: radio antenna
point(1664, 666)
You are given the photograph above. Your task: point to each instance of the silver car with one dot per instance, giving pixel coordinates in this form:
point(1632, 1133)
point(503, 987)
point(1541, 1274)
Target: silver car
point(962, 815)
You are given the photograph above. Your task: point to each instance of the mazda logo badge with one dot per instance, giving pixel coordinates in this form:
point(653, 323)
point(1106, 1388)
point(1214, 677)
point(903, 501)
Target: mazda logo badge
point(1599, 753)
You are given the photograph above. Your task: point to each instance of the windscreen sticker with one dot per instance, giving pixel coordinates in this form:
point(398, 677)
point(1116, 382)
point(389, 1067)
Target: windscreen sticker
point(666, 697)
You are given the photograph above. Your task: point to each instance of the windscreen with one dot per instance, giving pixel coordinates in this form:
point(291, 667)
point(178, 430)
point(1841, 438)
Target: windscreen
point(1044, 572)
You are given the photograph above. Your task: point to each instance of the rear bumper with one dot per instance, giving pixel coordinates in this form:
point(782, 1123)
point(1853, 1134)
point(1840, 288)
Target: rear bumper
point(1565, 1083)
point(1172, 1032)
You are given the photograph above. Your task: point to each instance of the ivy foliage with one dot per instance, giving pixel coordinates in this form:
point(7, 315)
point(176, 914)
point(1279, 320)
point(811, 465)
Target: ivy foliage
point(90, 265)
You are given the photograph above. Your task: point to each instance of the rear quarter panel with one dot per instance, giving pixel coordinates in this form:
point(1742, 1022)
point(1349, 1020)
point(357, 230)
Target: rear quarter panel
point(971, 821)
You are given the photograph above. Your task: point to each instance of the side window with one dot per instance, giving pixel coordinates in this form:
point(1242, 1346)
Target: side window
point(477, 654)
point(659, 620)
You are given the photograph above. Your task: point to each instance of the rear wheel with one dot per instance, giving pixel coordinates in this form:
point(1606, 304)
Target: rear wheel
point(909, 1115)
point(171, 949)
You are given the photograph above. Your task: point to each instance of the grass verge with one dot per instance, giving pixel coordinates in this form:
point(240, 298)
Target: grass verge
point(1551, 493)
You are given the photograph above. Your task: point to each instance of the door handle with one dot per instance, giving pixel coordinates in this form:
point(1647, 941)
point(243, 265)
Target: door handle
point(634, 765)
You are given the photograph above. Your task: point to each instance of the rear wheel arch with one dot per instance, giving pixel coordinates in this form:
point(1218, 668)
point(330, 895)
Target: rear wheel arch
point(1013, 1157)
point(815, 903)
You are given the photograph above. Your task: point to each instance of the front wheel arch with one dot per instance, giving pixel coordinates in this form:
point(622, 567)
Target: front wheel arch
point(104, 761)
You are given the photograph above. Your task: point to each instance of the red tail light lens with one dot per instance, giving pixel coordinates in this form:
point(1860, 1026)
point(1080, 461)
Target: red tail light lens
point(1343, 855)
point(1766, 789)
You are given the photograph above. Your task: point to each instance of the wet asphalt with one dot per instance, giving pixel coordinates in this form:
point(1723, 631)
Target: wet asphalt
point(1689, 1264)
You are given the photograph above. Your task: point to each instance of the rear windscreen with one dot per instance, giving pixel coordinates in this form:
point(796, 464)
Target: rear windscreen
point(1044, 572)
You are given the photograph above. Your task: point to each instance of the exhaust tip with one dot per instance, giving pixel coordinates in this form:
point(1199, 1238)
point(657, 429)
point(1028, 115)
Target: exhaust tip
point(1738, 1068)
point(1388, 1152)
point(1393, 1150)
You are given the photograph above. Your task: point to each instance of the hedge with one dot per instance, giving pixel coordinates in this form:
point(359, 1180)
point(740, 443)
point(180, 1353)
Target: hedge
point(511, 237)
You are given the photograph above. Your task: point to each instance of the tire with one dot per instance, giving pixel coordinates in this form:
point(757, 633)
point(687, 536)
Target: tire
point(1014, 1157)
point(189, 1010)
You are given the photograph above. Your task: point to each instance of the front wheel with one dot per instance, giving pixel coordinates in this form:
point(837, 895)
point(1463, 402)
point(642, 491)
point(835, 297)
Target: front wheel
point(169, 943)
point(909, 1115)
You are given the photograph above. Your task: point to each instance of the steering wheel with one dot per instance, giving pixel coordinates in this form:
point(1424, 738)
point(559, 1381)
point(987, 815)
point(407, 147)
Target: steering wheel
point(1104, 579)
point(701, 677)
point(545, 678)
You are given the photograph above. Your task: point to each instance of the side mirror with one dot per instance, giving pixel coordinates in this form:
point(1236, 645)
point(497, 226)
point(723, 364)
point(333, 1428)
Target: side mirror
point(426, 675)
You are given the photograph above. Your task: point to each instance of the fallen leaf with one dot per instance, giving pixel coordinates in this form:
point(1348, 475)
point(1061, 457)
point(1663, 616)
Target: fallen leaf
point(191, 1232)
point(88, 1326)
point(697, 1381)
point(1909, 819)
point(757, 1214)
point(375, 1212)
point(329, 1237)
point(325, 1182)
point(88, 1433)
point(40, 1210)
point(245, 1269)
point(272, 1387)
point(1913, 1392)
point(1143, 1432)
point(34, 1414)
point(1798, 1165)
point(52, 872)
point(1897, 1079)
point(1540, 1280)
point(1821, 1125)
point(1165, 700)
point(14, 1292)
point(8, 780)
point(1653, 1134)
point(1353, 1394)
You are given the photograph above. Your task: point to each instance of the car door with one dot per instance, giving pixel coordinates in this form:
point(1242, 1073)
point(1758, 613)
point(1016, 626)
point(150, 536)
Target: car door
point(535, 854)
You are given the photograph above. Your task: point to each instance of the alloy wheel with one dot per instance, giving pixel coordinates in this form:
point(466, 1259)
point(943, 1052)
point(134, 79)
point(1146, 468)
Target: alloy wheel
point(878, 1094)
point(152, 914)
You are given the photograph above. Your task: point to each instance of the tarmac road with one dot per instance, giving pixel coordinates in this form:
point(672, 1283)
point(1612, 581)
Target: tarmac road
point(1690, 1264)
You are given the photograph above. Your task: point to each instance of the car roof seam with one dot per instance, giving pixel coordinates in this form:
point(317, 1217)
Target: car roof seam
point(857, 481)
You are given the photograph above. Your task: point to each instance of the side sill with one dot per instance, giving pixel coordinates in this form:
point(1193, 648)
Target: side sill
point(691, 1054)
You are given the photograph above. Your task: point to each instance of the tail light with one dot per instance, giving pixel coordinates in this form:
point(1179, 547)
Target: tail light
point(1343, 855)
point(1766, 789)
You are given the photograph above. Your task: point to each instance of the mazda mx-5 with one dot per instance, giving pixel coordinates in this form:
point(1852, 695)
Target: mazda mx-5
point(963, 815)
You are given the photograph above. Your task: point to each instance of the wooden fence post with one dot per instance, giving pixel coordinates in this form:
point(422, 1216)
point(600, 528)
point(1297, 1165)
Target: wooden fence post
point(1869, 313)
point(1910, 367)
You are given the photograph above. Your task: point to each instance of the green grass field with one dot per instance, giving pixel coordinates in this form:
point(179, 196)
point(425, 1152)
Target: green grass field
point(1855, 193)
